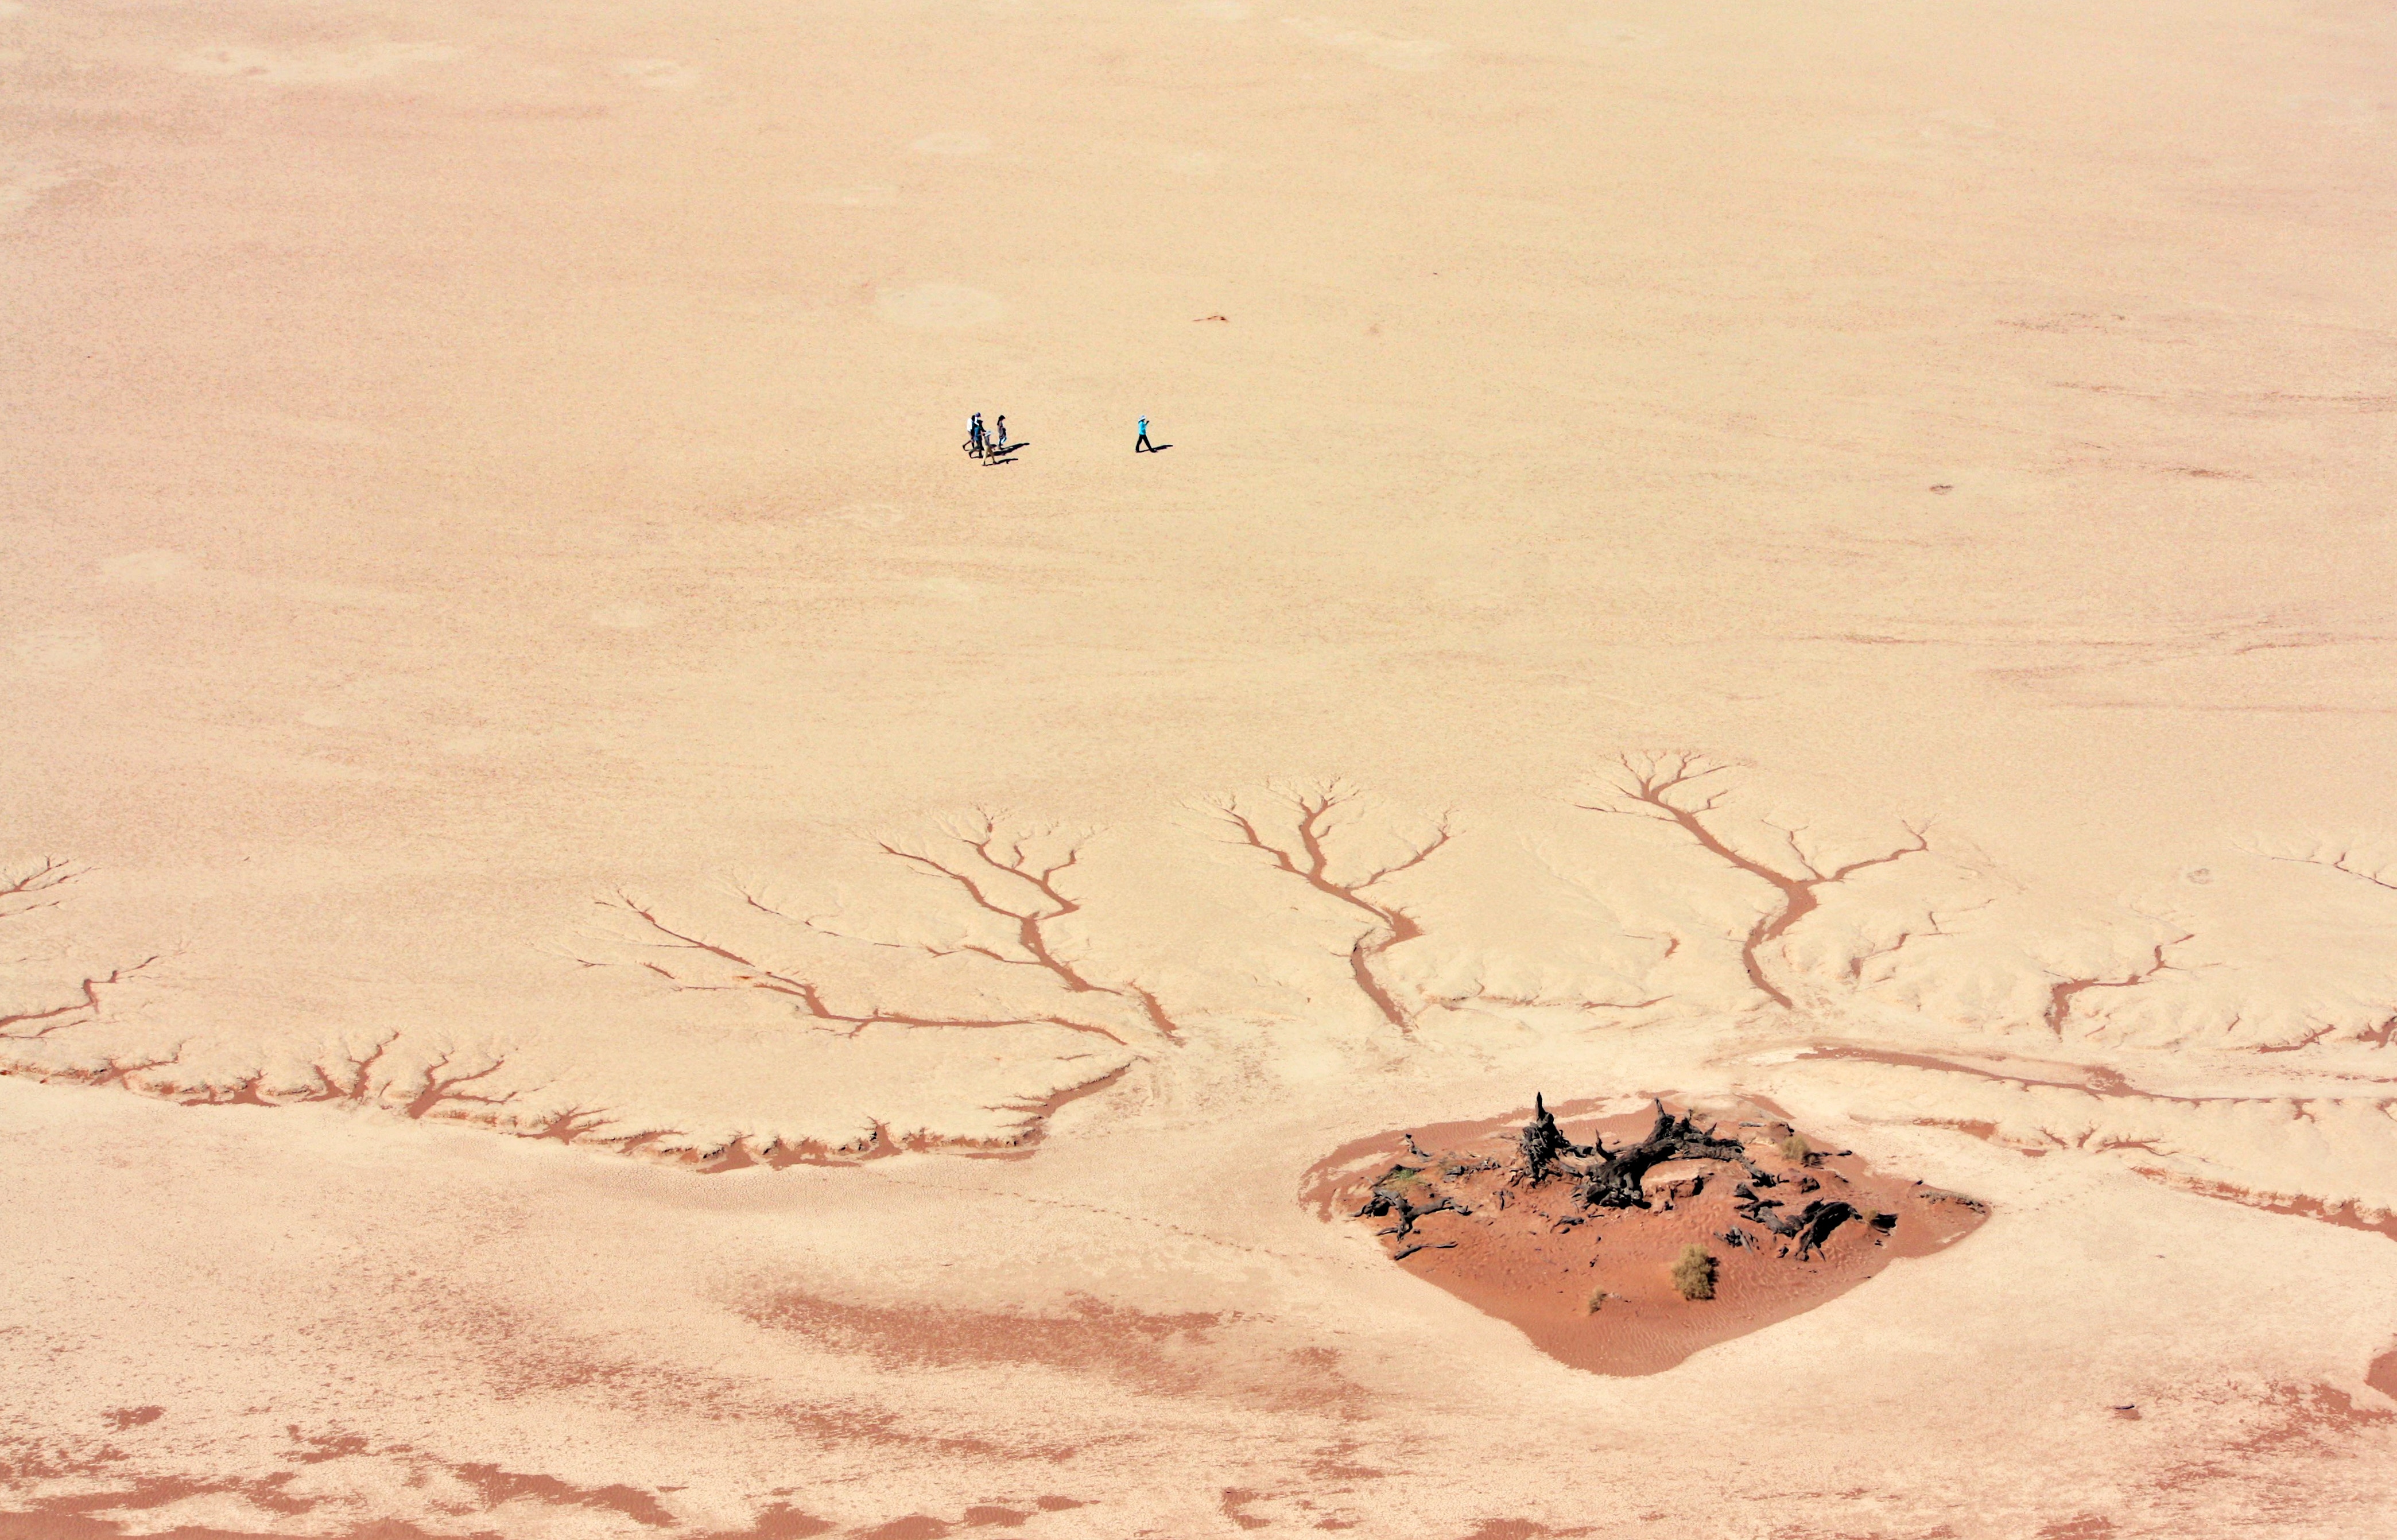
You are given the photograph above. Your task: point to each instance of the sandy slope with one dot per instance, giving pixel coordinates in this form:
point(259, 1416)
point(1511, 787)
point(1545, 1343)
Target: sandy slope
point(502, 636)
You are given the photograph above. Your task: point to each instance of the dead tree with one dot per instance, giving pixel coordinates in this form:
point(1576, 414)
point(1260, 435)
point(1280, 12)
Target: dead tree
point(1682, 789)
point(1614, 1180)
point(1307, 856)
point(1543, 1143)
point(1813, 1225)
point(1390, 1197)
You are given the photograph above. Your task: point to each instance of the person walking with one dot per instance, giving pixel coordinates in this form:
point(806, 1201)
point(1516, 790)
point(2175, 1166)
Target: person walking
point(1001, 440)
point(975, 440)
point(1143, 443)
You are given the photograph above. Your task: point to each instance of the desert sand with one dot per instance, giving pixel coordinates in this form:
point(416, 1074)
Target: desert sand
point(606, 937)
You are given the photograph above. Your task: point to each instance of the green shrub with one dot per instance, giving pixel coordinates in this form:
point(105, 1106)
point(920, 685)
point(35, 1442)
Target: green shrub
point(1695, 1273)
point(1795, 1149)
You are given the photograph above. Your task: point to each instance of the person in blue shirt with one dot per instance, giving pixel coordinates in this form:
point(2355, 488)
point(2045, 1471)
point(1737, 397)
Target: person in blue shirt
point(975, 439)
point(1143, 443)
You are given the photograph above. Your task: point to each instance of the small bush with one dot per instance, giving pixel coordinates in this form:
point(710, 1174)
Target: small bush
point(1597, 1298)
point(1795, 1149)
point(1695, 1273)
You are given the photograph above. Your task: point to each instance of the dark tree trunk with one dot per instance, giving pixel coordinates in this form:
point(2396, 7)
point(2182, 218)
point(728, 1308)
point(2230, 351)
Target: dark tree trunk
point(1814, 1224)
point(1543, 1143)
point(1612, 1181)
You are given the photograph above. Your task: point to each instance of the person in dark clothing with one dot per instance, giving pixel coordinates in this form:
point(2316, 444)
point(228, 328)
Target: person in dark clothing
point(976, 442)
point(1001, 440)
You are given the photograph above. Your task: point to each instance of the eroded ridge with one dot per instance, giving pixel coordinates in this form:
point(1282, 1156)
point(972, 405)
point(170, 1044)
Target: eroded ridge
point(1684, 789)
point(29, 890)
point(997, 857)
point(999, 874)
point(2344, 858)
point(458, 1085)
point(443, 1089)
point(1318, 814)
point(68, 1035)
point(1627, 1258)
point(335, 1481)
point(2331, 1158)
point(2066, 991)
point(992, 925)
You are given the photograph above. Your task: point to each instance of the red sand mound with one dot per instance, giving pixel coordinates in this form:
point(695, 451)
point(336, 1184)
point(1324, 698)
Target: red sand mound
point(1593, 1286)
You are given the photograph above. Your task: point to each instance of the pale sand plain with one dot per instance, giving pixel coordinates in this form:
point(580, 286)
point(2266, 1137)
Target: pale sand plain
point(502, 641)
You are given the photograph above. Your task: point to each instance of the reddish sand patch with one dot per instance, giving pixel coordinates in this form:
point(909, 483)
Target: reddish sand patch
point(777, 1522)
point(22, 1526)
point(2347, 1216)
point(1520, 1528)
point(2109, 1084)
point(1171, 1355)
point(2382, 1375)
point(143, 1492)
point(1149, 1349)
point(1534, 1257)
point(2285, 1420)
point(497, 1486)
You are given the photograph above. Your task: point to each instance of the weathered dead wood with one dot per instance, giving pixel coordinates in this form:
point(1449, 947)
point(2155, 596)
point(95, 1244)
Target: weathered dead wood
point(1612, 1179)
point(1813, 1225)
point(1422, 1246)
point(1390, 1197)
point(1543, 1143)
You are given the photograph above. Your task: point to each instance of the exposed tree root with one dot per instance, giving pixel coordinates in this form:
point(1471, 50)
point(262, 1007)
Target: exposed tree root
point(1390, 1196)
point(1812, 1225)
